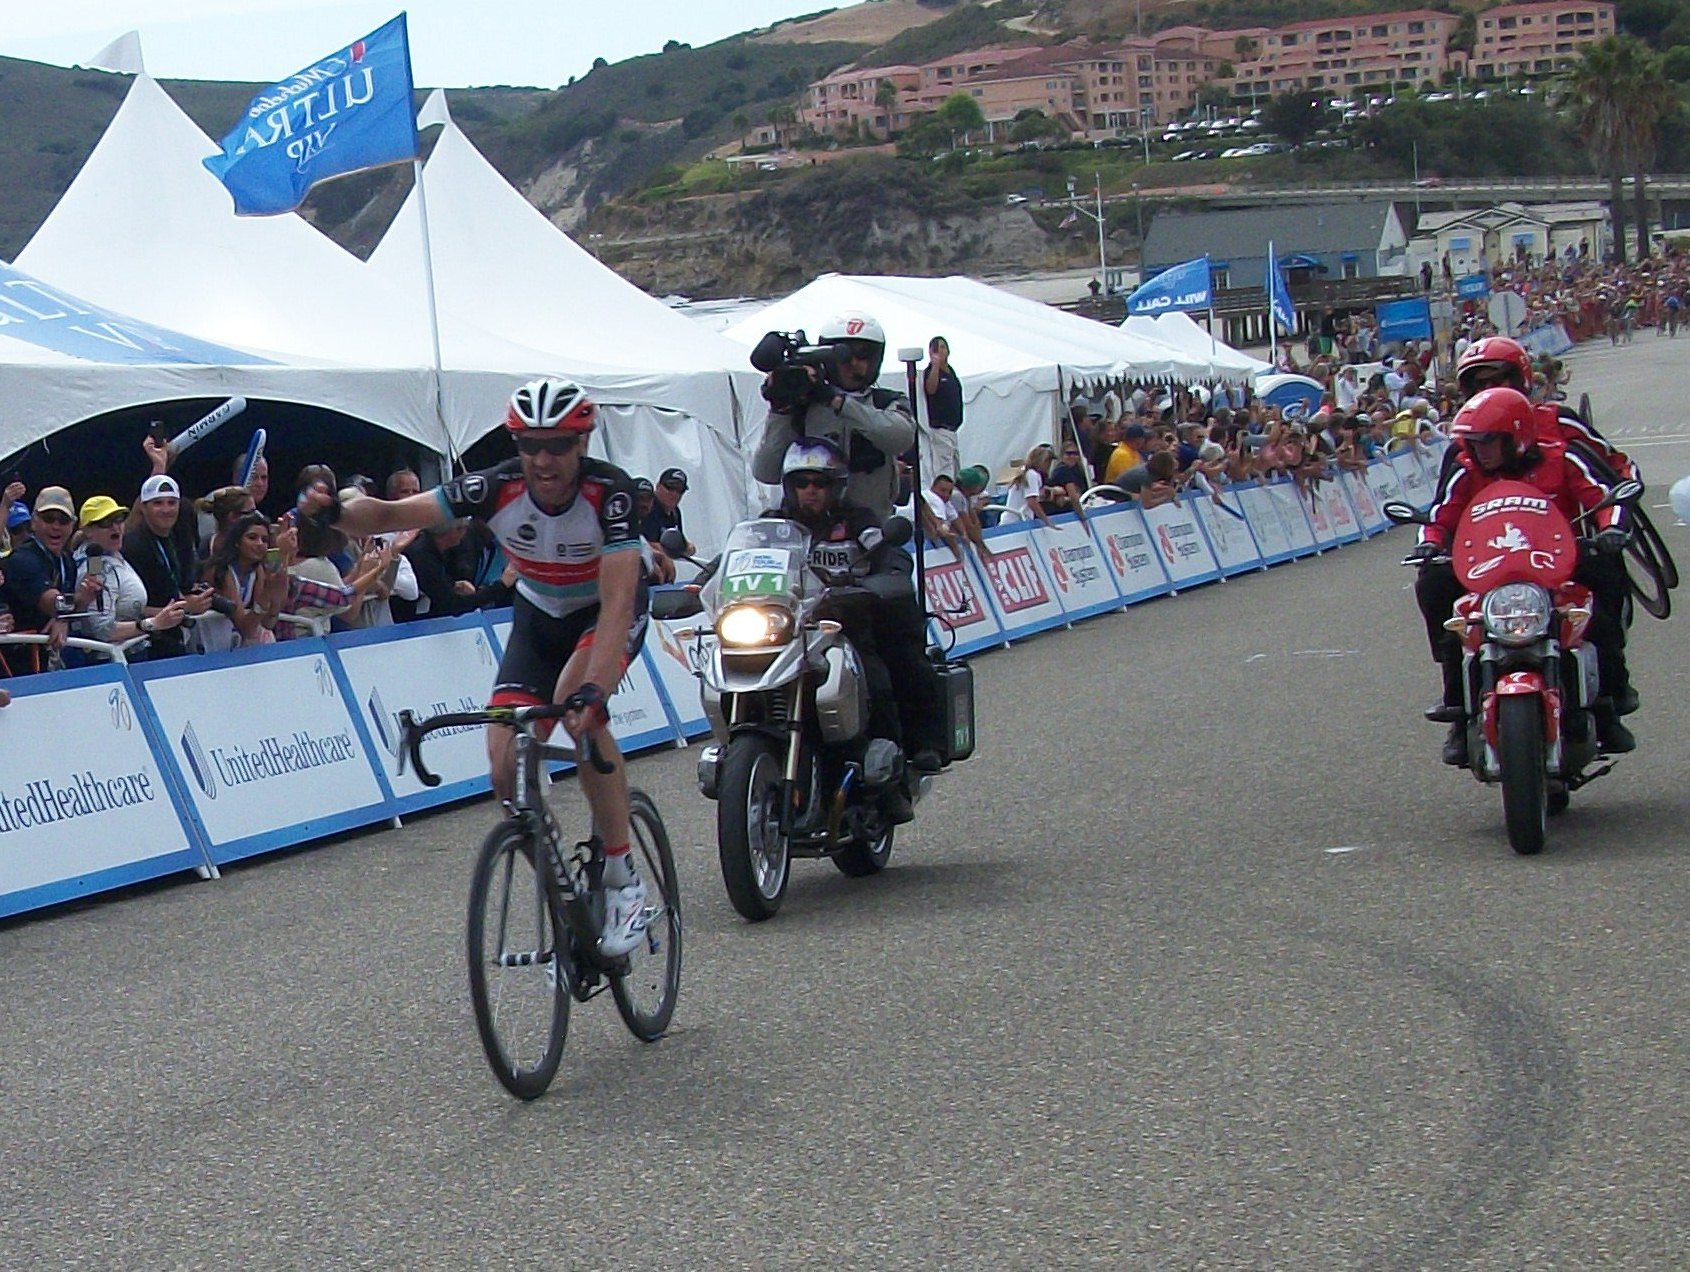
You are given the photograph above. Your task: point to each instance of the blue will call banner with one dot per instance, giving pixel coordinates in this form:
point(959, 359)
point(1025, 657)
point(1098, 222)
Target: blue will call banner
point(344, 113)
point(1184, 287)
point(1404, 319)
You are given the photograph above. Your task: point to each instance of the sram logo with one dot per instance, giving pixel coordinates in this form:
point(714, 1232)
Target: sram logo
point(1509, 503)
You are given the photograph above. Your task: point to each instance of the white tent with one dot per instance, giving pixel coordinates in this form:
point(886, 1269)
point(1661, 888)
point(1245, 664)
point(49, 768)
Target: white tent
point(144, 229)
point(1179, 331)
point(671, 391)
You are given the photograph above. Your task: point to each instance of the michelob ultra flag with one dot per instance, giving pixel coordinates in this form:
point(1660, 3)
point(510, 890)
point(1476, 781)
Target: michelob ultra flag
point(344, 113)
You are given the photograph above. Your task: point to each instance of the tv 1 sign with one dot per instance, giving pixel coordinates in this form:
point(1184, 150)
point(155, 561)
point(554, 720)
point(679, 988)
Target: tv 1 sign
point(956, 606)
point(1017, 586)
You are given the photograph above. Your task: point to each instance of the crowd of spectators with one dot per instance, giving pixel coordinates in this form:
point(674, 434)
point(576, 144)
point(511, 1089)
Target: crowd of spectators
point(161, 575)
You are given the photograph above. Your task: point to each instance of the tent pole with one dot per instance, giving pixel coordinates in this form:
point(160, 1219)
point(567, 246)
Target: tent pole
point(453, 459)
point(909, 357)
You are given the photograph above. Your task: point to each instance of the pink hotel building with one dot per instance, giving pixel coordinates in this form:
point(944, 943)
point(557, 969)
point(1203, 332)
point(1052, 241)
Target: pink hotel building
point(1102, 92)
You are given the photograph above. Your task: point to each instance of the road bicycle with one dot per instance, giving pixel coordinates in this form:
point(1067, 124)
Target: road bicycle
point(536, 909)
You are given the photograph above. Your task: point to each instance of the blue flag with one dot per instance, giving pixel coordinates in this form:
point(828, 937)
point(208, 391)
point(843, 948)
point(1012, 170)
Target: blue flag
point(1279, 296)
point(345, 113)
point(1184, 286)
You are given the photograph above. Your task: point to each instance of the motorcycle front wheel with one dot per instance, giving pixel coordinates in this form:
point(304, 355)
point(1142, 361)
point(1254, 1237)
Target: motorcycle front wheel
point(1525, 788)
point(755, 861)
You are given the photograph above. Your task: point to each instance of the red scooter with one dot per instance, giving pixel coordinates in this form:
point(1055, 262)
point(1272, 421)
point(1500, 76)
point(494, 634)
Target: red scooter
point(1531, 678)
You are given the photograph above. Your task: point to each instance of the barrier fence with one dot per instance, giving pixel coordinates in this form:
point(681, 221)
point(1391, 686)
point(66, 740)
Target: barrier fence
point(130, 772)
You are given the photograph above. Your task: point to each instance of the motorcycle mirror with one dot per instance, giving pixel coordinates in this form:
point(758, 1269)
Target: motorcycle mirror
point(1625, 492)
point(899, 531)
point(675, 602)
point(1404, 514)
point(673, 542)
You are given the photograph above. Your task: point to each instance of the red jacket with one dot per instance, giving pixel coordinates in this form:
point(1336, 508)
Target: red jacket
point(1566, 426)
point(1560, 475)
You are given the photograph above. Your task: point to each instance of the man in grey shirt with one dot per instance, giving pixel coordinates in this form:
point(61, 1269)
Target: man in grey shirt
point(870, 426)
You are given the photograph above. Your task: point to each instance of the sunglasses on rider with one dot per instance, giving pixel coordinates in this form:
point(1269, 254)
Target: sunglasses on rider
point(805, 481)
point(562, 444)
point(857, 350)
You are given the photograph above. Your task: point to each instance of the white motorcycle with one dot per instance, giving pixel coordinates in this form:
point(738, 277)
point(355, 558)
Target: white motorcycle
point(792, 768)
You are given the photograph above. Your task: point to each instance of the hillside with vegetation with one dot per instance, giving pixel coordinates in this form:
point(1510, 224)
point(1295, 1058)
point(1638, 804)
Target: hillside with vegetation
point(631, 156)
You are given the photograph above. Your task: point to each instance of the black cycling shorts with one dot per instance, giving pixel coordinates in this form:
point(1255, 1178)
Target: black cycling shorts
point(540, 645)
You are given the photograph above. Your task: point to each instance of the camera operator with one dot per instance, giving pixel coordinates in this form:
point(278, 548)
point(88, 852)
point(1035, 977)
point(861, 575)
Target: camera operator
point(828, 393)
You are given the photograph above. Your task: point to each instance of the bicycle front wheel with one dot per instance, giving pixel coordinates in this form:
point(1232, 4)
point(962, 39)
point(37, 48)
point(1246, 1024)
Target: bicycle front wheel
point(645, 994)
point(518, 972)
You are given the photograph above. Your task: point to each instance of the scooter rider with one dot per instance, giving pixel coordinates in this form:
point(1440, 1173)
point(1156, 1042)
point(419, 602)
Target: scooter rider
point(870, 427)
point(847, 543)
point(1496, 434)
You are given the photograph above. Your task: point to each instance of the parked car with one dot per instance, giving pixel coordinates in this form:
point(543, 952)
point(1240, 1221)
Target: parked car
point(1014, 200)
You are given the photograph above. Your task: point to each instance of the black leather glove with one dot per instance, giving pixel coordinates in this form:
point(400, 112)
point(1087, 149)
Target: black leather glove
point(1612, 541)
point(1425, 552)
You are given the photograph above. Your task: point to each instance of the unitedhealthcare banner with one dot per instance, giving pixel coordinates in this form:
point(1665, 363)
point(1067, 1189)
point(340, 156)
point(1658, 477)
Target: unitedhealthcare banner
point(48, 318)
point(1183, 287)
point(345, 113)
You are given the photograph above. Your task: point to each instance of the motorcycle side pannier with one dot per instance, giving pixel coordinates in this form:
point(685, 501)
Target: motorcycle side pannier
point(956, 689)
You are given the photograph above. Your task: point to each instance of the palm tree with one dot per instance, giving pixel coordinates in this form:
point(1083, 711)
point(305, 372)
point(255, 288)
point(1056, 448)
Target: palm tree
point(1622, 96)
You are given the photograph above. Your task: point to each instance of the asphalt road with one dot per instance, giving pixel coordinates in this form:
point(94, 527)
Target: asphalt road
point(1203, 962)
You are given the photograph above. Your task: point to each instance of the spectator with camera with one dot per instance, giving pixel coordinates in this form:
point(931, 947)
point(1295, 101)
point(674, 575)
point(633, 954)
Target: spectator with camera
point(117, 598)
point(249, 572)
point(943, 392)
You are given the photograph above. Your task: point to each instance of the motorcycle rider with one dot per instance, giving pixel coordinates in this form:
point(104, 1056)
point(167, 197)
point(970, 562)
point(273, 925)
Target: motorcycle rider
point(847, 542)
point(1496, 435)
point(1497, 360)
point(869, 426)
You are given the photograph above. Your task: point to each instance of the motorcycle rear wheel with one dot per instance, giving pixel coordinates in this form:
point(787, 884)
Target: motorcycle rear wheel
point(1525, 788)
point(865, 857)
point(756, 860)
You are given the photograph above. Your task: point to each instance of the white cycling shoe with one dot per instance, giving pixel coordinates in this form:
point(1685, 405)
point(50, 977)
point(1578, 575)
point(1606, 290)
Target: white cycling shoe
point(624, 918)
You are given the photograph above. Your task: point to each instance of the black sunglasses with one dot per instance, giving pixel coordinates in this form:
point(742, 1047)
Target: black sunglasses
point(562, 444)
point(860, 350)
point(804, 481)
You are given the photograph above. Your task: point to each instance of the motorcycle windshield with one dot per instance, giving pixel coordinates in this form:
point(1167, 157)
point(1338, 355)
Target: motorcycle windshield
point(1513, 533)
point(764, 562)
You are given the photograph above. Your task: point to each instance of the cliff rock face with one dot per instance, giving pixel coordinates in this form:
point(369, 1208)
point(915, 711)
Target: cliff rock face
point(860, 219)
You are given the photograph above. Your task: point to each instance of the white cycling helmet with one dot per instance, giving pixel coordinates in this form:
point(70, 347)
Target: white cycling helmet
point(548, 404)
point(813, 455)
point(852, 326)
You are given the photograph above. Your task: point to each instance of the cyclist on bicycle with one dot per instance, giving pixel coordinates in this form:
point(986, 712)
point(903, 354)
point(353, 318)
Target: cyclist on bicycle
point(566, 522)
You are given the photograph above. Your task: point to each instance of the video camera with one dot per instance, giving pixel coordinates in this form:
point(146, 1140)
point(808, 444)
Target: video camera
point(784, 357)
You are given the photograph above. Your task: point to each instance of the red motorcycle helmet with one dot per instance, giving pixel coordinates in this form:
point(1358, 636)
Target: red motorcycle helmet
point(1497, 355)
point(1502, 412)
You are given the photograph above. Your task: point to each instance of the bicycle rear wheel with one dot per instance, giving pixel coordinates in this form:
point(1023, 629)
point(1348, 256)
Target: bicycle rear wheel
point(645, 994)
point(518, 970)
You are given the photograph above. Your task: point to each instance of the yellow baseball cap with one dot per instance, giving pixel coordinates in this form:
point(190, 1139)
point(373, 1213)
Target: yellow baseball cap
point(97, 508)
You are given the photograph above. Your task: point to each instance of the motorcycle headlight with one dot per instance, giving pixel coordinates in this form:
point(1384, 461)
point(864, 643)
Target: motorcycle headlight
point(753, 626)
point(1517, 613)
